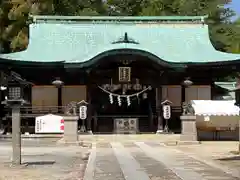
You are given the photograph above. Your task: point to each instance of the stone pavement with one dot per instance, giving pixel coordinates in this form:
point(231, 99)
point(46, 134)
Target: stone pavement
point(43, 160)
point(220, 152)
point(149, 160)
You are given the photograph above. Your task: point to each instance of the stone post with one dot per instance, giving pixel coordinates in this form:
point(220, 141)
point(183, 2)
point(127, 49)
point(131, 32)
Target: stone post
point(189, 128)
point(16, 135)
point(70, 128)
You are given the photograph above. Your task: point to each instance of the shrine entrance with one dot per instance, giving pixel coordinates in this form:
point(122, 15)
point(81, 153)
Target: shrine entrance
point(123, 115)
point(122, 90)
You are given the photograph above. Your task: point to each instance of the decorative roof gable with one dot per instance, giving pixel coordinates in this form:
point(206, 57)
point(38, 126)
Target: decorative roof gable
point(125, 39)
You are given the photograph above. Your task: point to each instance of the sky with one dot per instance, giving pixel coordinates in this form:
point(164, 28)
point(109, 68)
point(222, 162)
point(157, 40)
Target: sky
point(235, 5)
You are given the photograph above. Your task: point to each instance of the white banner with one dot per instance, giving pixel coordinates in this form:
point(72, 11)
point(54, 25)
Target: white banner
point(49, 124)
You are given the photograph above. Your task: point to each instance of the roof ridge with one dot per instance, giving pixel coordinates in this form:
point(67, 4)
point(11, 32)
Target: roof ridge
point(40, 18)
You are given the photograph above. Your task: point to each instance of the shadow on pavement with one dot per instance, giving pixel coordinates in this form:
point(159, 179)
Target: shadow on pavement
point(39, 163)
point(234, 158)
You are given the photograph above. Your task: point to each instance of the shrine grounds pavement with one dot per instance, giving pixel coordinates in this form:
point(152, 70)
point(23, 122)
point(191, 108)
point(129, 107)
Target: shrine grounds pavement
point(124, 157)
point(43, 159)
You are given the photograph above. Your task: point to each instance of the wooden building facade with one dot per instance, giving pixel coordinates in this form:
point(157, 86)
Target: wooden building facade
point(124, 67)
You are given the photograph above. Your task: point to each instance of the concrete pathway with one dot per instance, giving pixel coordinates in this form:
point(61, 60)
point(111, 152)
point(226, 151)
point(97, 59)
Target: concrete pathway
point(148, 161)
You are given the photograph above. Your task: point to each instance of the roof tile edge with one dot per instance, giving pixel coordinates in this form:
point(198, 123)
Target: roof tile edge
point(198, 19)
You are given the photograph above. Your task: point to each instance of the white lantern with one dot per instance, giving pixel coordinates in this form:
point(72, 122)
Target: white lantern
point(166, 111)
point(83, 112)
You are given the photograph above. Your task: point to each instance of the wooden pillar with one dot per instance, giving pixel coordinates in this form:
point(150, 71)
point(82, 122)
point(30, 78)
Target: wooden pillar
point(158, 110)
point(59, 99)
point(89, 116)
point(95, 121)
point(150, 116)
point(2, 98)
point(183, 93)
point(89, 100)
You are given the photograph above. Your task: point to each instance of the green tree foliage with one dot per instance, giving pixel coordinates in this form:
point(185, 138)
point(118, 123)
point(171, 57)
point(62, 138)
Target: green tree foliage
point(14, 16)
point(233, 43)
point(219, 15)
point(15, 21)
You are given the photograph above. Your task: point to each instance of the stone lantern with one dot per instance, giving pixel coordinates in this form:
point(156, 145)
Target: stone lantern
point(14, 100)
point(187, 82)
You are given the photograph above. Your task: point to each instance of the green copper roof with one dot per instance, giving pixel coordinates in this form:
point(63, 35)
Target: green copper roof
point(226, 85)
point(66, 40)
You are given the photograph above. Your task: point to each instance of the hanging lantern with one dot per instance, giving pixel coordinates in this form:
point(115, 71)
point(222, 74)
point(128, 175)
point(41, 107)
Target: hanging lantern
point(111, 98)
point(128, 101)
point(187, 82)
point(57, 83)
point(166, 111)
point(119, 101)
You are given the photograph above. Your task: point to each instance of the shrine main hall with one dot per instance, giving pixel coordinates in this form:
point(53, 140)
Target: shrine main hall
point(123, 67)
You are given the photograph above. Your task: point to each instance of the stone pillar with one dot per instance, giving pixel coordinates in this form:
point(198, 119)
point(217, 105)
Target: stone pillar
point(189, 128)
point(70, 128)
point(16, 135)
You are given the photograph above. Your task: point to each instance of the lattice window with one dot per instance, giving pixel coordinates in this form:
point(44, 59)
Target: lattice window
point(14, 93)
point(124, 74)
